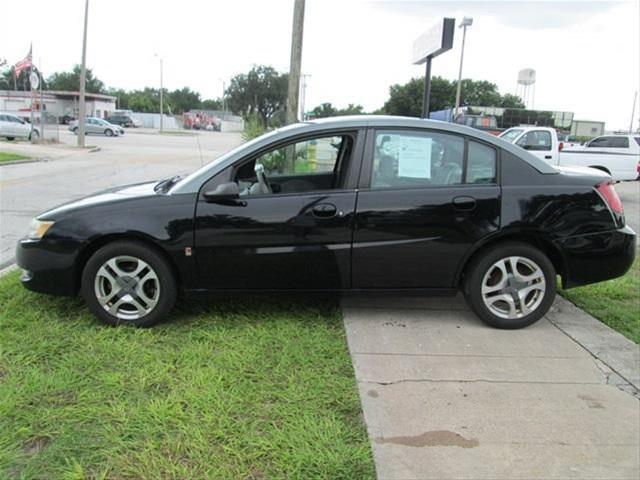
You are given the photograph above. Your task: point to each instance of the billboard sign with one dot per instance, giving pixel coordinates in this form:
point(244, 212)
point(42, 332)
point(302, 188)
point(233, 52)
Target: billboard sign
point(434, 41)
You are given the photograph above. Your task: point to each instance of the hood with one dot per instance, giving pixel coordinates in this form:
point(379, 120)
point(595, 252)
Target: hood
point(103, 198)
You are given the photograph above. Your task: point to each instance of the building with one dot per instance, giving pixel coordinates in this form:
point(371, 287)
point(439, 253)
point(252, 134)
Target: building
point(57, 103)
point(587, 128)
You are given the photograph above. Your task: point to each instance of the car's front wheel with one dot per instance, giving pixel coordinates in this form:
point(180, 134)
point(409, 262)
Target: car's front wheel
point(126, 282)
point(511, 285)
point(108, 132)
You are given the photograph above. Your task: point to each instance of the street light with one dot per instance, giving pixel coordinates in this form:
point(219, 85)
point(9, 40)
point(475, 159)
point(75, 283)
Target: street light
point(466, 22)
point(161, 92)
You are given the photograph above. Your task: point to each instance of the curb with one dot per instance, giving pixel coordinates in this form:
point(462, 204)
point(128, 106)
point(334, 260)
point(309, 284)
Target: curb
point(612, 349)
point(4, 269)
point(18, 162)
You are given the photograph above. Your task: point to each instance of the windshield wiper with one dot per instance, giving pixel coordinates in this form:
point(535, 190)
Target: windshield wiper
point(167, 183)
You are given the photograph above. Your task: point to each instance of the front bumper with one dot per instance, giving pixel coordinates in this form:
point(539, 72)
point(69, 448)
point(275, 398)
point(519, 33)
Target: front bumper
point(597, 257)
point(46, 269)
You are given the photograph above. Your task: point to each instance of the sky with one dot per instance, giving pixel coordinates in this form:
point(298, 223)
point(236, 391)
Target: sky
point(586, 54)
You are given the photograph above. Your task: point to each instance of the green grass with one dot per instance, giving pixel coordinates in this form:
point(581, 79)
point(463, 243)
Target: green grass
point(615, 302)
point(239, 389)
point(10, 157)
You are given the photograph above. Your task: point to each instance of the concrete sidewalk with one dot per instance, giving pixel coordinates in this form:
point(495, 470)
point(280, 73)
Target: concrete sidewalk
point(445, 396)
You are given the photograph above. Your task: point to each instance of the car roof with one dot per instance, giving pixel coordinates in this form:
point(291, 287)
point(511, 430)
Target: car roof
point(192, 183)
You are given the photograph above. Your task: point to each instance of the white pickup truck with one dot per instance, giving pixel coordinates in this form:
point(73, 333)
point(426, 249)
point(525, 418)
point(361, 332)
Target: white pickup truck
point(617, 155)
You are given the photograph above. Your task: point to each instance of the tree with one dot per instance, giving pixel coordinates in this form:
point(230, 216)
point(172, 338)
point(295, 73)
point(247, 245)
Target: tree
point(70, 81)
point(261, 91)
point(511, 101)
point(22, 82)
point(324, 110)
point(184, 100)
point(211, 104)
point(351, 109)
point(407, 99)
point(148, 101)
point(328, 110)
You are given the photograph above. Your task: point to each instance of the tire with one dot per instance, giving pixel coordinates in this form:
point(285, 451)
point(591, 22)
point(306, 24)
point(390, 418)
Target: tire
point(146, 287)
point(108, 132)
point(497, 299)
point(35, 135)
point(75, 130)
point(11, 139)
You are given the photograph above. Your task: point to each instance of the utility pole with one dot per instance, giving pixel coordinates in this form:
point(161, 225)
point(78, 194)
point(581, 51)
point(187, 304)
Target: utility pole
point(296, 61)
point(161, 98)
point(466, 22)
point(633, 112)
point(83, 77)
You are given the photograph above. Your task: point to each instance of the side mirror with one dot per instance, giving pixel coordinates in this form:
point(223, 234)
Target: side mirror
point(223, 193)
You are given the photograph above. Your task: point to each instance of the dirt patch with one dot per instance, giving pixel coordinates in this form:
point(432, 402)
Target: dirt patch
point(35, 445)
point(435, 438)
point(373, 393)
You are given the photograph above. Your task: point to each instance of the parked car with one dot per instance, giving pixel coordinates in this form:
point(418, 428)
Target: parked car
point(98, 126)
point(12, 127)
point(124, 121)
point(66, 119)
point(365, 204)
point(616, 155)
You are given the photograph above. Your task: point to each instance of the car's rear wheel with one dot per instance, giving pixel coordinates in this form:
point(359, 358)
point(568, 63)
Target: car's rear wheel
point(127, 282)
point(511, 285)
point(108, 132)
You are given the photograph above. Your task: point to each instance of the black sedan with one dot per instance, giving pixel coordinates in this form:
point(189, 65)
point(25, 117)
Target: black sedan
point(352, 204)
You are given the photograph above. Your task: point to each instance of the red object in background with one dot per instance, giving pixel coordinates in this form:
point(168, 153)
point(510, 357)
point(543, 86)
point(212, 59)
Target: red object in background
point(22, 64)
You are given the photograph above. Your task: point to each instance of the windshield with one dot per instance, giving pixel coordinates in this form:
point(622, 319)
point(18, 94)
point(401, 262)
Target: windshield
point(637, 139)
point(511, 134)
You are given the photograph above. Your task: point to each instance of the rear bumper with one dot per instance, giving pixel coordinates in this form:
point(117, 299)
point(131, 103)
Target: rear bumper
point(46, 270)
point(597, 257)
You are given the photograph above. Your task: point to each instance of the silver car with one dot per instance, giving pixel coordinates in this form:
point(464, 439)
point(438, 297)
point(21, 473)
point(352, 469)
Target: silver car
point(98, 126)
point(12, 126)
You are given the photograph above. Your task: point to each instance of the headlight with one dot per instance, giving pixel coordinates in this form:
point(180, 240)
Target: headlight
point(37, 228)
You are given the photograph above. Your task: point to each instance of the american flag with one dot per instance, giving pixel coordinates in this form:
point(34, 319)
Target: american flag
point(26, 62)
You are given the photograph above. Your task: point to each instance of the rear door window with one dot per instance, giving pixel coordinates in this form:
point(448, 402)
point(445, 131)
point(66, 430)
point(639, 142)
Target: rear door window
point(619, 142)
point(481, 164)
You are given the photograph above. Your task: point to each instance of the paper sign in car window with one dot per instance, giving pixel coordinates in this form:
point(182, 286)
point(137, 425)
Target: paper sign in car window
point(414, 158)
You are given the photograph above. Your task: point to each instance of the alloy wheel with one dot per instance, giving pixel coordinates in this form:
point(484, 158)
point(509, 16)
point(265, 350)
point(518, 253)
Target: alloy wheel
point(127, 287)
point(513, 287)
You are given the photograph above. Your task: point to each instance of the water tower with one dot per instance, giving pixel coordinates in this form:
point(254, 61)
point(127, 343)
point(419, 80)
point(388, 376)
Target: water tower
point(526, 87)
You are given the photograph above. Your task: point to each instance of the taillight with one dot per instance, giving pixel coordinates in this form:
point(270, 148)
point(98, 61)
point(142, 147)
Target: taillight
point(610, 196)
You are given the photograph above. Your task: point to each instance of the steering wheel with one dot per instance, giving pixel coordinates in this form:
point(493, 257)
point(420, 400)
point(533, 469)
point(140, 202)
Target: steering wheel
point(265, 186)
